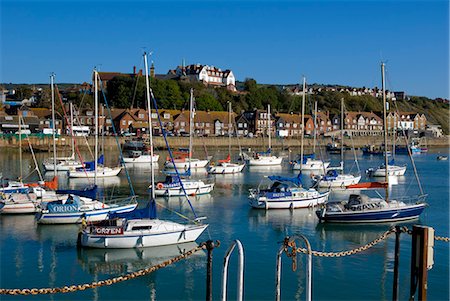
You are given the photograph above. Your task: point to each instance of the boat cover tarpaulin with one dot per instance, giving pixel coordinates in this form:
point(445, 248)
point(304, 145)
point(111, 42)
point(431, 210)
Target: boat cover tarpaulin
point(368, 185)
point(88, 192)
point(148, 212)
point(296, 180)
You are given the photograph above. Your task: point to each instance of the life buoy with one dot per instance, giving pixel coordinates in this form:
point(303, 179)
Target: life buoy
point(312, 175)
point(159, 185)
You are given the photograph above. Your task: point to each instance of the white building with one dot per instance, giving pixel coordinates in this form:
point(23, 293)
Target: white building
point(209, 75)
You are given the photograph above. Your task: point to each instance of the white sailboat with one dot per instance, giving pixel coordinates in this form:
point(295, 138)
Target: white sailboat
point(265, 158)
point(226, 166)
point(333, 178)
point(186, 161)
point(174, 185)
point(360, 208)
point(84, 204)
point(62, 163)
point(18, 197)
point(132, 232)
point(94, 169)
point(309, 162)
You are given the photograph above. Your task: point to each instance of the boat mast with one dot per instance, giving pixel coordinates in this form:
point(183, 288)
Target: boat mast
point(52, 78)
point(20, 144)
point(191, 125)
point(303, 123)
point(229, 128)
point(96, 124)
point(71, 131)
point(386, 174)
point(150, 129)
point(315, 126)
point(269, 127)
point(342, 134)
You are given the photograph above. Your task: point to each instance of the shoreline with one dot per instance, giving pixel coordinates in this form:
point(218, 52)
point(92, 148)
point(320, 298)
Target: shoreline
point(64, 142)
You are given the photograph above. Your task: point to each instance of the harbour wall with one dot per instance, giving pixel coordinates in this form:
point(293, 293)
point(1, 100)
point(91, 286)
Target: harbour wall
point(45, 143)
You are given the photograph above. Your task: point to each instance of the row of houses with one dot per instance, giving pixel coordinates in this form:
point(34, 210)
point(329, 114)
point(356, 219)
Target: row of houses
point(375, 92)
point(216, 123)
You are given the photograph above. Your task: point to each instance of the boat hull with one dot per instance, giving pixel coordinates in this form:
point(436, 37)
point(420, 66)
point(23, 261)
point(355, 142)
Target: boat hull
point(373, 216)
point(195, 163)
point(142, 239)
point(311, 165)
point(142, 159)
point(101, 173)
point(392, 171)
point(226, 168)
point(286, 203)
point(265, 161)
point(340, 182)
point(77, 217)
point(178, 191)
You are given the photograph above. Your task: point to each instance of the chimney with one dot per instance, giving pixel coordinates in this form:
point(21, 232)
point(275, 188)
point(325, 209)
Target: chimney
point(140, 72)
point(134, 69)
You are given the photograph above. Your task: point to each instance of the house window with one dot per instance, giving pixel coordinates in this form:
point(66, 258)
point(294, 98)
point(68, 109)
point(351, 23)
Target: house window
point(182, 123)
point(166, 116)
point(207, 124)
point(280, 125)
point(141, 116)
point(124, 122)
point(154, 115)
point(177, 124)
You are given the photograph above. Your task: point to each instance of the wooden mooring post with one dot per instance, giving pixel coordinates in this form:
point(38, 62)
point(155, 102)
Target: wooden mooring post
point(421, 260)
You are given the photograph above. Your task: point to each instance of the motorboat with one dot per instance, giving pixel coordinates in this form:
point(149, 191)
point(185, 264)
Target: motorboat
point(136, 151)
point(393, 170)
point(333, 179)
point(226, 168)
point(285, 193)
point(89, 170)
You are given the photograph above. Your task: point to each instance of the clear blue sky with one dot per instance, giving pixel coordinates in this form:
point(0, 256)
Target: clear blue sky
point(330, 42)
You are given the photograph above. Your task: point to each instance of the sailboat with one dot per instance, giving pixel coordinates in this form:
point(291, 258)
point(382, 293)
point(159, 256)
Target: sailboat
point(96, 168)
point(20, 198)
point(226, 166)
point(265, 158)
point(309, 162)
point(334, 179)
point(140, 228)
point(61, 163)
point(84, 204)
point(174, 185)
point(360, 208)
point(185, 160)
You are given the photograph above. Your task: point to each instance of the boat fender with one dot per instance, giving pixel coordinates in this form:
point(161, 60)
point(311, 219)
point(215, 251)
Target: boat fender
point(312, 175)
point(159, 185)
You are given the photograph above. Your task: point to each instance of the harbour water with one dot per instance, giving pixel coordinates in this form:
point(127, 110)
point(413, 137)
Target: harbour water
point(34, 256)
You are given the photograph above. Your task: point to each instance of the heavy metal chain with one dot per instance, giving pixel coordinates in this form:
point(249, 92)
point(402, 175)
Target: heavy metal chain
point(349, 252)
point(82, 287)
point(291, 249)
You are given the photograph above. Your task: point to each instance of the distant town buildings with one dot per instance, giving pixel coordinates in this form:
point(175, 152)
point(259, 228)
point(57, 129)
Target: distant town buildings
point(209, 75)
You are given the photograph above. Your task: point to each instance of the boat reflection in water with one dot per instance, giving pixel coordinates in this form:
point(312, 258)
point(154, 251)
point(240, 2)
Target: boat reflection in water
point(120, 261)
point(287, 222)
point(77, 183)
point(14, 226)
point(180, 204)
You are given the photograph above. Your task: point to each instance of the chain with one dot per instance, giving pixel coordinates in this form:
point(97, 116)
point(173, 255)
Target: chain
point(82, 287)
point(350, 252)
point(291, 250)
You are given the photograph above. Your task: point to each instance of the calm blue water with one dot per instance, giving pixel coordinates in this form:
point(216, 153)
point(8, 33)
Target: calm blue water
point(46, 256)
